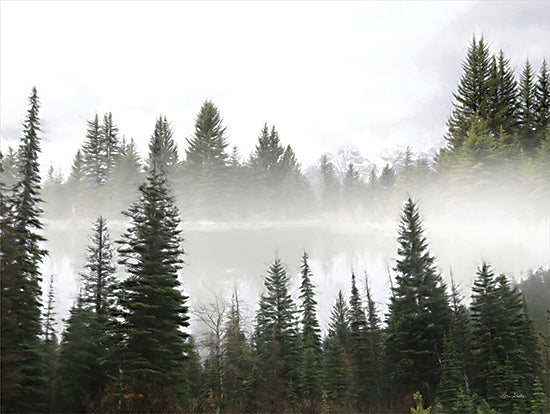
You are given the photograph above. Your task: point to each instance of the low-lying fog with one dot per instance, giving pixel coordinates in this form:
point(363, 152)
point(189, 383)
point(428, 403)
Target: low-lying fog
point(222, 256)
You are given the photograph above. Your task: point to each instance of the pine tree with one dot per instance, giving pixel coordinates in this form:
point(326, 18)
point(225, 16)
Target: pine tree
point(503, 97)
point(542, 100)
point(276, 340)
point(23, 378)
point(109, 144)
point(453, 395)
point(92, 317)
point(78, 362)
point(77, 168)
point(94, 169)
point(267, 156)
point(419, 314)
point(154, 310)
point(473, 93)
point(163, 151)
point(527, 100)
point(506, 360)
point(337, 367)
point(375, 348)
point(50, 346)
point(351, 186)
point(330, 186)
point(359, 347)
point(208, 143)
point(310, 369)
point(237, 358)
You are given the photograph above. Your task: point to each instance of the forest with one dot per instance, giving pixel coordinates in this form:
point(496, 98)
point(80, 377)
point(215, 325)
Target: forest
point(127, 343)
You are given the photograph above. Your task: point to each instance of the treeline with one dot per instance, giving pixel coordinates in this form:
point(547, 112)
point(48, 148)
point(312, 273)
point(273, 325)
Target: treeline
point(497, 144)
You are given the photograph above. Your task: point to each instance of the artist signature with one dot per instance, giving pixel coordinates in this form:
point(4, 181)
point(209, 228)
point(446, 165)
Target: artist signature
point(513, 396)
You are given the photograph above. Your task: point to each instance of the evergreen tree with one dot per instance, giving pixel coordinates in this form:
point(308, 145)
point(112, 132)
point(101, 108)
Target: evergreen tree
point(237, 358)
point(527, 100)
point(110, 148)
point(310, 369)
point(23, 378)
point(92, 316)
point(337, 367)
point(276, 341)
point(163, 151)
point(375, 348)
point(473, 93)
point(99, 280)
point(267, 156)
point(50, 347)
point(506, 359)
point(351, 186)
point(359, 347)
point(503, 97)
point(330, 186)
point(94, 169)
point(208, 143)
point(542, 100)
point(419, 314)
point(8, 175)
point(453, 395)
point(77, 168)
point(78, 362)
point(154, 311)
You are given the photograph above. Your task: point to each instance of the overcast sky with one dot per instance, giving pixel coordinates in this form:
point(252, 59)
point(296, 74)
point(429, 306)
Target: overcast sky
point(373, 74)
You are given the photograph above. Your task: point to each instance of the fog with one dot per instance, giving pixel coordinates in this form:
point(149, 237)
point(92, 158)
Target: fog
point(225, 255)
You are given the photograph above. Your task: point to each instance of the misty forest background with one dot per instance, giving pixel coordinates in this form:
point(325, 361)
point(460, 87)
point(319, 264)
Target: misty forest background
point(127, 346)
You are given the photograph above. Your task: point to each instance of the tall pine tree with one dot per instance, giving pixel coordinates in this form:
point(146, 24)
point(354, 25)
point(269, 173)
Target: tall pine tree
point(154, 311)
point(473, 93)
point(276, 341)
point(419, 314)
point(23, 378)
point(310, 362)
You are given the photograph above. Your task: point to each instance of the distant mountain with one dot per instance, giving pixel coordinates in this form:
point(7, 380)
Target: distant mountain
point(341, 159)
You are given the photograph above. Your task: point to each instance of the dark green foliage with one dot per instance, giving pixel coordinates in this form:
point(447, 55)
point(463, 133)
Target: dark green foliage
point(237, 358)
point(337, 365)
point(372, 379)
point(505, 347)
point(154, 348)
point(208, 143)
point(77, 168)
point(109, 143)
point(310, 362)
point(88, 342)
point(453, 393)
point(100, 150)
point(542, 100)
point(527, 99)
point(94, 171)
point(419, 314)
point(502, 97)
point(99, 281)
point(78, 362)
point(473, 93)
point(23, 366)
point(163, 151)
point(276, 341)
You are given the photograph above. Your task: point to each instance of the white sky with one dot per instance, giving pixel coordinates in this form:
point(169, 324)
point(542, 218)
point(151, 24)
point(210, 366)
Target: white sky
point(373, 74)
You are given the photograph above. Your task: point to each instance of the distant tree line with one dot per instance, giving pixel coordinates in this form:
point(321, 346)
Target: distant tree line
point(498, 138)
